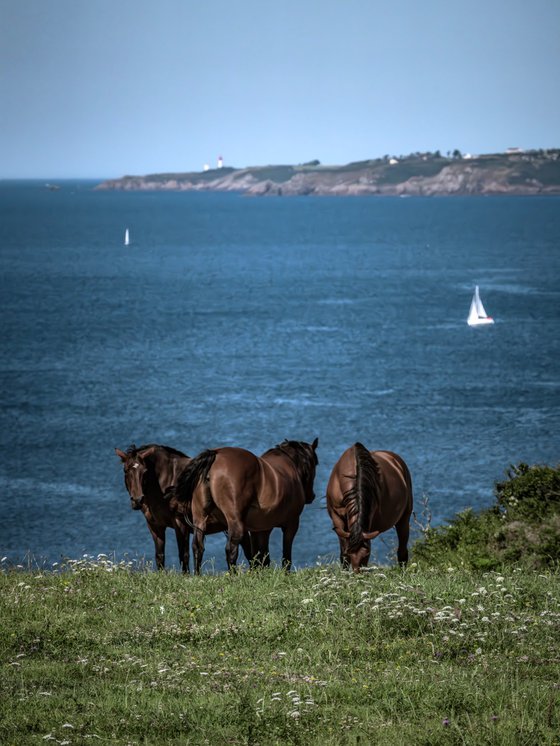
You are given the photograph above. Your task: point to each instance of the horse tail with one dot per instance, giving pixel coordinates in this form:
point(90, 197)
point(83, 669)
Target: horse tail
point(195, 472)
point(365, 493)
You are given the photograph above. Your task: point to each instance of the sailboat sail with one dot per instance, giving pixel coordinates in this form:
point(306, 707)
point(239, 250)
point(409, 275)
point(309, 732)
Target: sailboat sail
point(126, 238)
point(477, 312)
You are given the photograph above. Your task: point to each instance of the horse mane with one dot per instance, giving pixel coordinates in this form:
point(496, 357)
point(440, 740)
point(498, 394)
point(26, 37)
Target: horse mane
point(366, 483)
point(133, 450)
point(299, 453)
point(195, 472)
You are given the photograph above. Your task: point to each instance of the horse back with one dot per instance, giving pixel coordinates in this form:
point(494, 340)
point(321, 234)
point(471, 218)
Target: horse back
point(396, 480)
point(391, 465)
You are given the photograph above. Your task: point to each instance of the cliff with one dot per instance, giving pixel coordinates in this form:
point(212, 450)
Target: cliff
point(420, 174)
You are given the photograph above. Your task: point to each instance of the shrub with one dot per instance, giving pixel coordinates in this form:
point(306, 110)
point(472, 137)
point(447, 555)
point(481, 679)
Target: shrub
point(522, 527)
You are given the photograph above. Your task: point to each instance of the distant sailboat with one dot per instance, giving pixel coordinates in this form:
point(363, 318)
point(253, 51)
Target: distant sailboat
point(477, 314)
point(126, 237)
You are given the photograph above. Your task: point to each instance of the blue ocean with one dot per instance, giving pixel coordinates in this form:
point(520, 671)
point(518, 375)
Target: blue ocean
point(244, 321)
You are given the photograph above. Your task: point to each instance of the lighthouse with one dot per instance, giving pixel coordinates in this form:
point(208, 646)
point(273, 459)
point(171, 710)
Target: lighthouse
point(220, 162)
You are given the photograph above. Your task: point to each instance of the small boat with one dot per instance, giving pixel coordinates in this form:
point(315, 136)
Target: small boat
point(126, 237)
point(477, 314)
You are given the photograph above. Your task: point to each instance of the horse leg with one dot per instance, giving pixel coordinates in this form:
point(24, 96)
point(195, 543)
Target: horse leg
point(403, 529)
point(261, 554)
point(247, 546)
point(198, 549)
point(344, 561)
point(235, 530)
point(182, 534)
point(158, 535)
point(288, 533)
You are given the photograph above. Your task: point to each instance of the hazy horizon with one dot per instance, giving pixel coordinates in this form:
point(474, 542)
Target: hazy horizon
point(100, 90)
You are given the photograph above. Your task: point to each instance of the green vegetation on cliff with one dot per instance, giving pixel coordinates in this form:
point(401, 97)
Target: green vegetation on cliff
point(427, 174)
point(522, 527)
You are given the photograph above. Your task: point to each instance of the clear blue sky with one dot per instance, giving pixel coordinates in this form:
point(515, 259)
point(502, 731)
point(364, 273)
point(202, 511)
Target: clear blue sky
point(103, 88)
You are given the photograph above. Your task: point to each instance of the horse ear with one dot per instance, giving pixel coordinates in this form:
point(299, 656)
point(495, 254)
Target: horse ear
point(369, 535)
point(120, 454)
point(315, 444)
point(341, 532)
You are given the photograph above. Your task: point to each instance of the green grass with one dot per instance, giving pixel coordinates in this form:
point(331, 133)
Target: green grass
point(194, 177)
point(408, 168)
point(99, 653)
point(547, 172)
point(278, 174)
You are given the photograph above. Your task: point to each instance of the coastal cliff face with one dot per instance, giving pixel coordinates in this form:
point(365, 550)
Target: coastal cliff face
point(525, 173)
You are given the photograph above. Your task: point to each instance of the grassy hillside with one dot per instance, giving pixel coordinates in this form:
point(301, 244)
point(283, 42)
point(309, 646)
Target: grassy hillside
point(100, 653)
point(462, 647)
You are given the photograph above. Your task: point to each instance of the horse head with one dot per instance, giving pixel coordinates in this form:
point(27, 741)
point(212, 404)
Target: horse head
point(356, 550)
point(135, 472)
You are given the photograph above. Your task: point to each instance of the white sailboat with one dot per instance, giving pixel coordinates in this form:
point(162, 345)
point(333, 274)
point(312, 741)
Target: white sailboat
point(126, 238)
point(477, 314)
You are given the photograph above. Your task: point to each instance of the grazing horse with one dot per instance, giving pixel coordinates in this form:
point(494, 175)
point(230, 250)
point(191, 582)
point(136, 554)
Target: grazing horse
point(248, 493)
point(369, 492)
point(149, 473)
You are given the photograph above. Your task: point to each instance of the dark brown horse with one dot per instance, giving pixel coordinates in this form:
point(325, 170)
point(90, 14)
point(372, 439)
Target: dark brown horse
point(369, 492)
point(248, 493)
point(150, 474)
point(150, 471)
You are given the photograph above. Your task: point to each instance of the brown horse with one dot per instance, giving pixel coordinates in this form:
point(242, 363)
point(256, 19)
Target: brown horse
point(150, 473)
point(248, 493)
point(369, 492)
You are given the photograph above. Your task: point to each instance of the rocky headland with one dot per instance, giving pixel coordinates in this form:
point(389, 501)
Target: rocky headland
point(419, 174)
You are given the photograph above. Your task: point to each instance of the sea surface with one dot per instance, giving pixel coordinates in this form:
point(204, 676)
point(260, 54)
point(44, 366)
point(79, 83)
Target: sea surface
point(243, 321)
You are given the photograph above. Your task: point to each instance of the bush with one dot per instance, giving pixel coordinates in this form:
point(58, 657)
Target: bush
point(522, 527)
point(531, 492)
